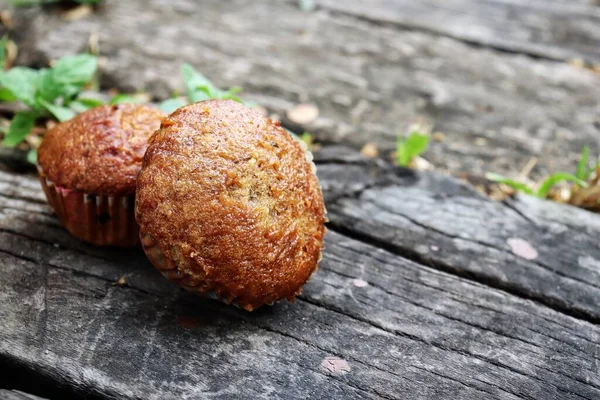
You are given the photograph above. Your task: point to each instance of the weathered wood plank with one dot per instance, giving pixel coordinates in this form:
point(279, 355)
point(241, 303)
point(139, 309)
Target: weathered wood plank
point(534, 248)
point(404, 329)
point(16, 395)
point(369, 81)
point(542, 28)
point(128, 342)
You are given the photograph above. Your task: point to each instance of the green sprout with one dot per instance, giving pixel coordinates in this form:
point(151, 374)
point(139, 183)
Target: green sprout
point(410, 147)
point(47, 92)
point(543, 190)
point(584, 171)
point(198, 88)
point(582, 174)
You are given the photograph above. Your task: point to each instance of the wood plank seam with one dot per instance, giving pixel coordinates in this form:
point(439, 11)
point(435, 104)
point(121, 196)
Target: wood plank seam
point(449, 269)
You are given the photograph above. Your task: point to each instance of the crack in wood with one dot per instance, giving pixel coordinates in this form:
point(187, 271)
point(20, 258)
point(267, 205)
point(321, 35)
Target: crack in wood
point(507, 287)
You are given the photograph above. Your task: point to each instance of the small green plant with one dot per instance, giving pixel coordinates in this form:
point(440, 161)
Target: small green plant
point(584, 171)
point(582, 174)
point(410, 147)
point(47, 92)
point(543, 189)
point(198, 88)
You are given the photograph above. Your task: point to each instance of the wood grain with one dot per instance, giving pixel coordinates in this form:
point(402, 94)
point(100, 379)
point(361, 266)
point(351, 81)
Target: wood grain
point(376, 321)
point(541, 28)
point(369, 80)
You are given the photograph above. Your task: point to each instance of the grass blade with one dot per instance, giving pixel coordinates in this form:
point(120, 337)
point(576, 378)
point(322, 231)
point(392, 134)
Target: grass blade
point(583, 162)
point(557, 178)
point(519, 186)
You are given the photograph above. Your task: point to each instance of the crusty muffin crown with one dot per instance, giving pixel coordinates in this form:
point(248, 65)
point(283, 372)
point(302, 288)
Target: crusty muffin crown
point(100, 151)
point(232, 202)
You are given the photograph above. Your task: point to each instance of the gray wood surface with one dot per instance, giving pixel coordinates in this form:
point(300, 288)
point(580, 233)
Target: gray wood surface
point(16, 395)
point(374, 322)
point(443, 222)
point(369, 80)
point(555, 29)
point(427, 289)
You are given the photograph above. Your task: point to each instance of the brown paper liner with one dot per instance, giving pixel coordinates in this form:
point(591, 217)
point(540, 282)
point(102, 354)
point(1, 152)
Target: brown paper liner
point(100, 220)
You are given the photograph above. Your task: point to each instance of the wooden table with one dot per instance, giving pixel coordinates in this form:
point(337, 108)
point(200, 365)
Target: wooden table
point(427, 289)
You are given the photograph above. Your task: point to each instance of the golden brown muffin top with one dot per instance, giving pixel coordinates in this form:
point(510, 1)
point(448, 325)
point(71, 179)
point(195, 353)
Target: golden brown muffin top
point(230, 197)
point(100, 151)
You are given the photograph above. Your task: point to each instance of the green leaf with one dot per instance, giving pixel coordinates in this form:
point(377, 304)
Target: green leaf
point(91, 103)
point(32, 156)
point(194, 81)
point(171, 105)
point(414, 145)
point(48, 88)
point(19, 128)
point(201, 94)
point(3, 43)
point(21, 82)
point(6, 95)
point(582, 166)
point(61, 113)
point(123, 98)
point(230, 94)
point(519, 186)
point(75, 70)
point(557, 178)
point(81, 105)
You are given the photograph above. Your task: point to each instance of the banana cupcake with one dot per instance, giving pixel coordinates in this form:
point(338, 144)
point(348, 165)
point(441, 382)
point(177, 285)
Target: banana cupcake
point(88, 169)
point(229, 205)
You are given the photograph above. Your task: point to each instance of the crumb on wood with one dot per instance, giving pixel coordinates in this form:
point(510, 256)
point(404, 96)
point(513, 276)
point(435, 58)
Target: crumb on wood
point(121, 282)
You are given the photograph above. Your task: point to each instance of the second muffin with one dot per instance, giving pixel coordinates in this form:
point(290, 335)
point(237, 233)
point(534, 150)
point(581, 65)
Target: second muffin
point(88, 169)
point(229, 205)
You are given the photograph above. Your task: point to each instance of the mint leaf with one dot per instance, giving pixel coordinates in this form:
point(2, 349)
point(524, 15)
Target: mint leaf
point(75, 70)
point(20, 126)
point(61, 113)
point(202, 93)
point(90, 103)
point(6, 95)
point(123, 98)
point(171, 105)
point(21, 82)
point(81, 105)
point(48, 87)
point(194, 80)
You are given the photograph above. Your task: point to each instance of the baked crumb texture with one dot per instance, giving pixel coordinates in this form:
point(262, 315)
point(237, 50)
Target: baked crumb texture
point(229, 206)
point(88, 168)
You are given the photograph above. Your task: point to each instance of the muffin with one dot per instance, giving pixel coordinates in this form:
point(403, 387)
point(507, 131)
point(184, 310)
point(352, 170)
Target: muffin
point(229, 206)
point(88, 169)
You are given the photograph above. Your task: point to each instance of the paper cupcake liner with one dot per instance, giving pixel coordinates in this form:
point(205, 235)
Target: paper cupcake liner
point(100, 220)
